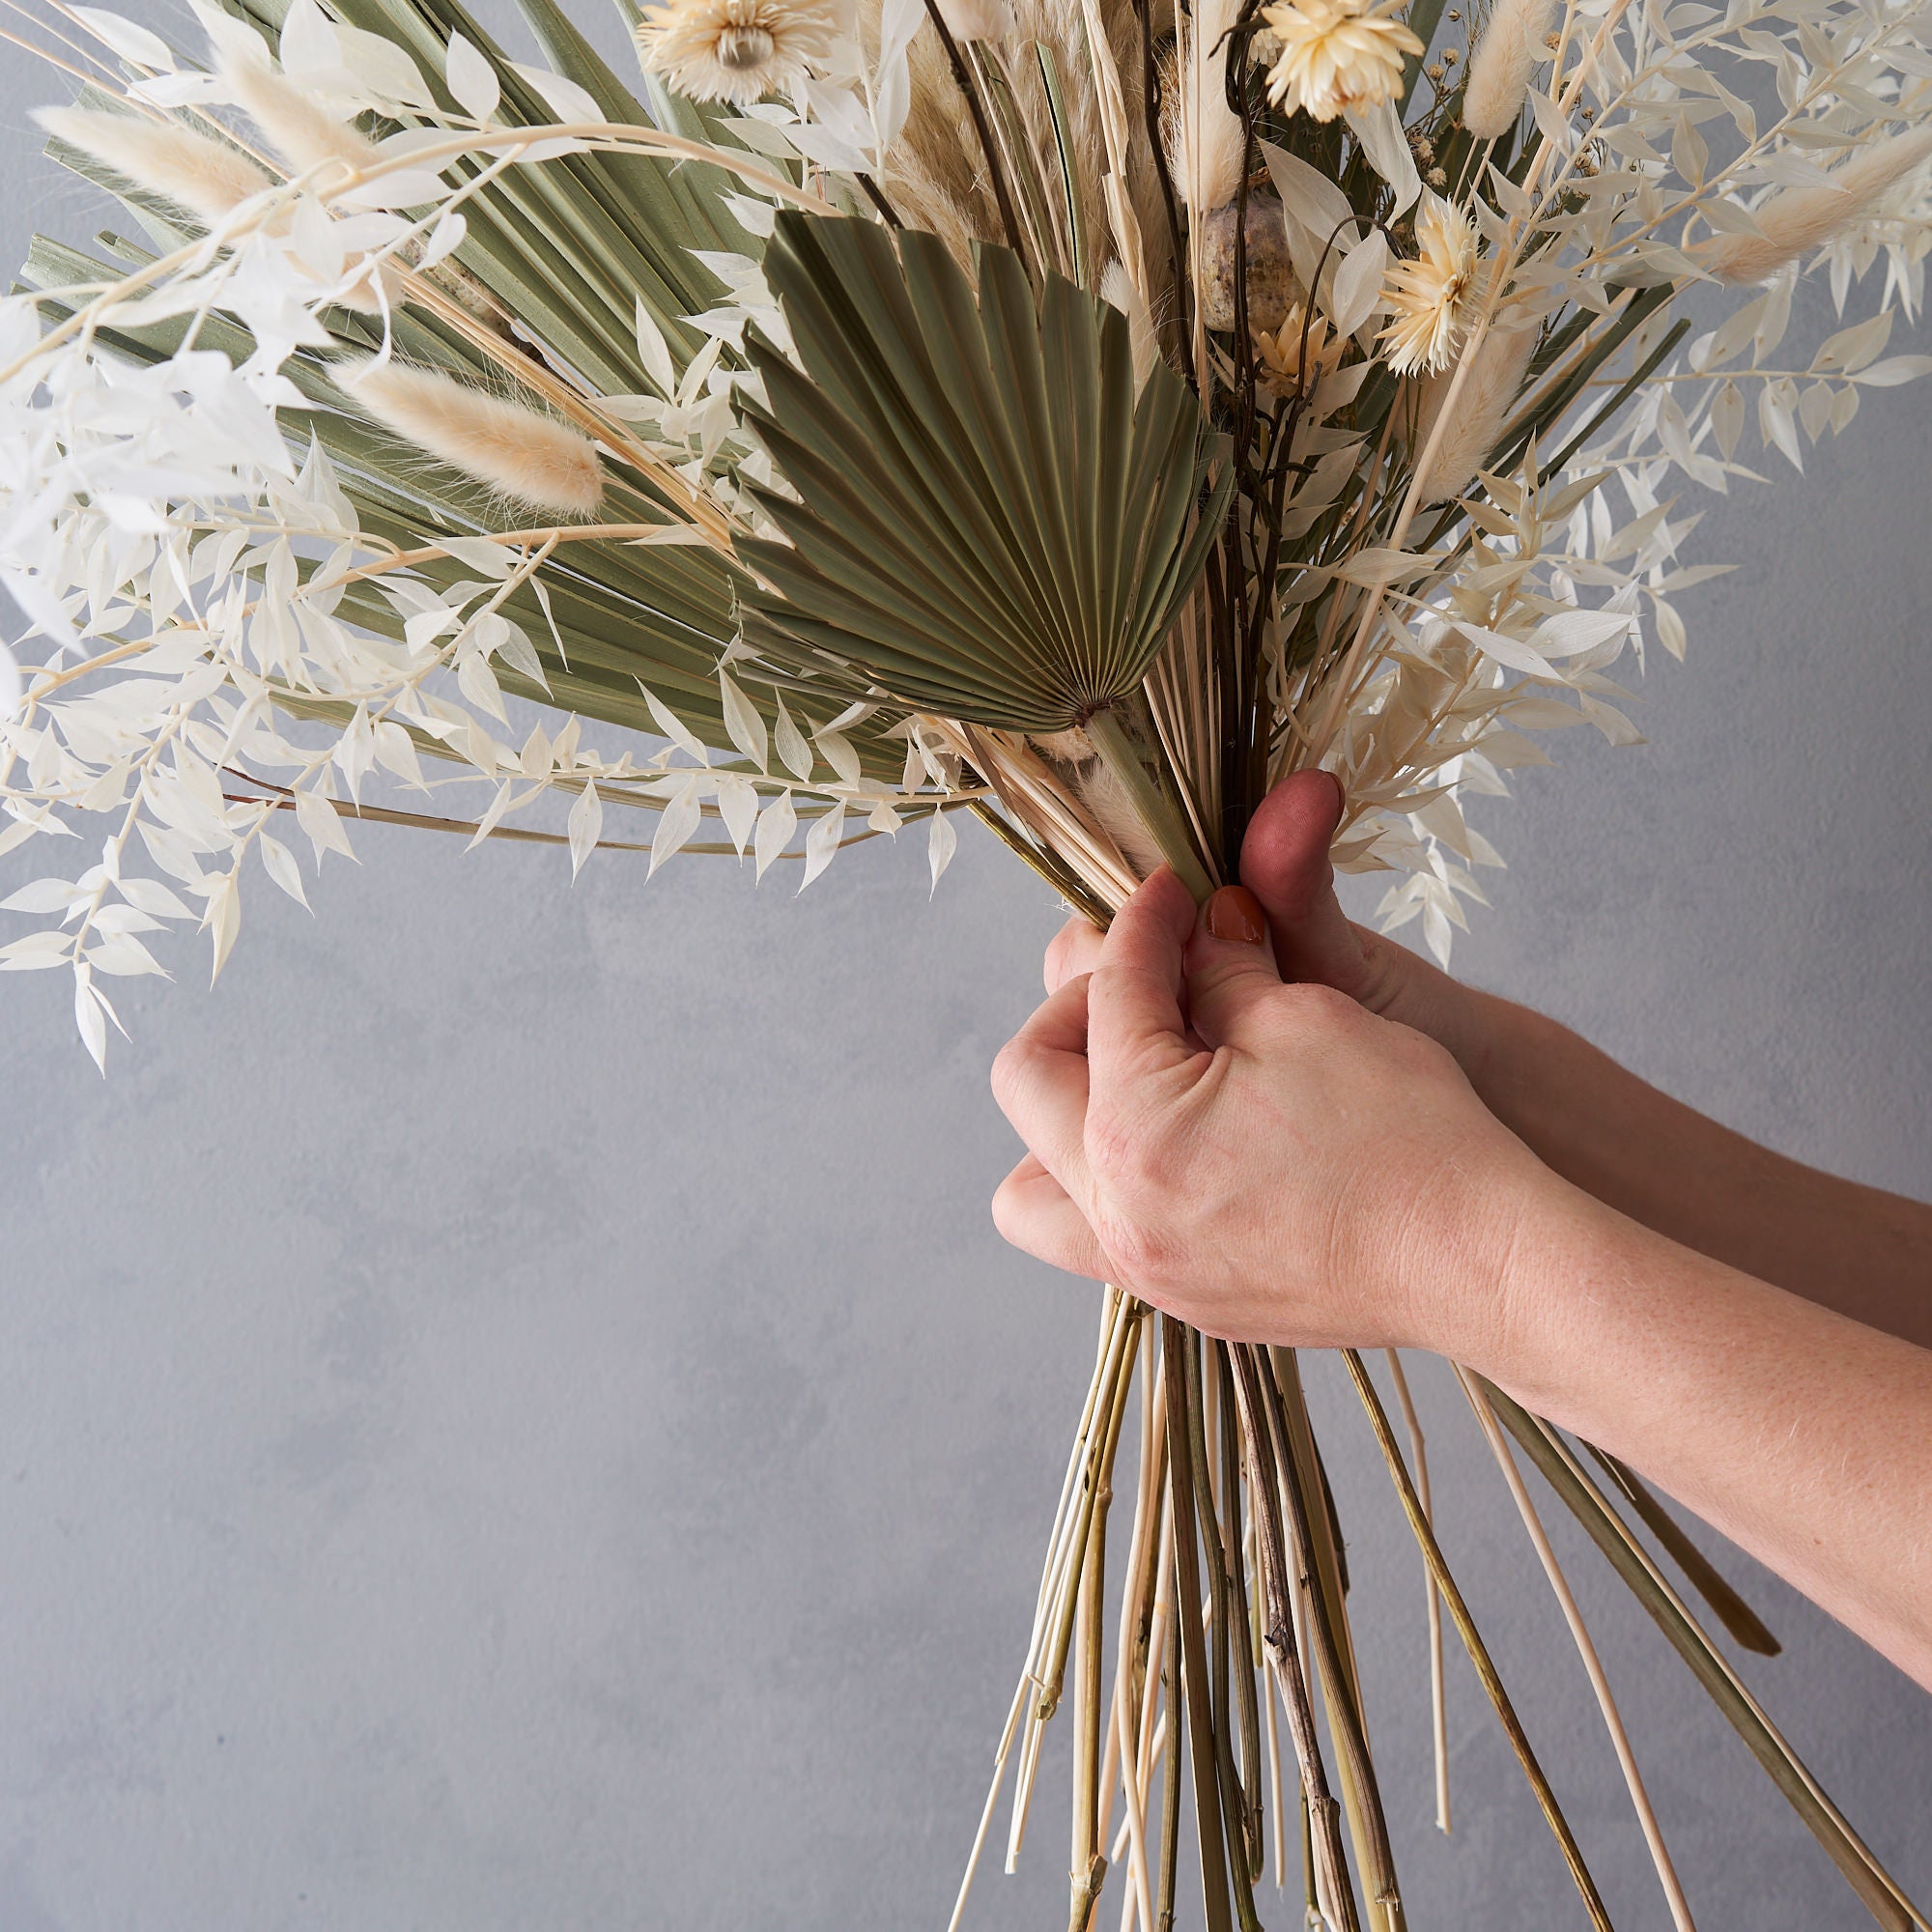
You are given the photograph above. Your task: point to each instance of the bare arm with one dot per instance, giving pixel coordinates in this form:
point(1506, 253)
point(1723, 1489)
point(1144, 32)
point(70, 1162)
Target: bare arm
point(1272, 1161)
point(1858, 1250)
point(1865, 1253)
point(1801, 1435)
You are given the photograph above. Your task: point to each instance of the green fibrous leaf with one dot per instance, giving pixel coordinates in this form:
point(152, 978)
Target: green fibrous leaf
point(996, 525)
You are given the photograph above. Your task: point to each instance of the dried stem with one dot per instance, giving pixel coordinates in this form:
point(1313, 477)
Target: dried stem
point(1653, 1832)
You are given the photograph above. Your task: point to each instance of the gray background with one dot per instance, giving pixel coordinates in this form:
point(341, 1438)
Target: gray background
point(513, 1413)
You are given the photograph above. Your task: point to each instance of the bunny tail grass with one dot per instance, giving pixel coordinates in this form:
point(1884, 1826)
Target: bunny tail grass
point(1499, 72)
point(1794, 222)
point(206, 176)
point(524, 452)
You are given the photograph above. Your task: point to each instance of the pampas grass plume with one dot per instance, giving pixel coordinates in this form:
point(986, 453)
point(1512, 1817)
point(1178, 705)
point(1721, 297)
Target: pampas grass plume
point(204, 176)
point(1800, 220)
point(1215, 144)
point(1511, 45)
point(526, 454)
point(977, 19)
point(1489, 391)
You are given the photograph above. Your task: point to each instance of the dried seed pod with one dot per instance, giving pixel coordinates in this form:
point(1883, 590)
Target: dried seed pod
point(1271, 272)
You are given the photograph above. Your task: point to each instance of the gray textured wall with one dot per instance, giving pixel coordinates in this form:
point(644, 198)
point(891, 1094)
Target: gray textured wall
point(513, 1413)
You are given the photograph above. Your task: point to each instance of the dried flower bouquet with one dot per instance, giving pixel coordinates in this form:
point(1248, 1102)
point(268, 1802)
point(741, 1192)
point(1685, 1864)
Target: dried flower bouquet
point(1072, 412)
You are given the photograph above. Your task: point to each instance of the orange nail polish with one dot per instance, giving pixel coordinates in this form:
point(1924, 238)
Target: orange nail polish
point(1235, 913)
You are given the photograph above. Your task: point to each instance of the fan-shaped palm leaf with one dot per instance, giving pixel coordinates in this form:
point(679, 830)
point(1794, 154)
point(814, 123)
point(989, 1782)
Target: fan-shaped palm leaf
point(997, 526)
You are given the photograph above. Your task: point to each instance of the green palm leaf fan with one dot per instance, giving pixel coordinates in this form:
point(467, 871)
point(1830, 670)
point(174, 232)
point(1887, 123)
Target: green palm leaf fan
point(1000, 523)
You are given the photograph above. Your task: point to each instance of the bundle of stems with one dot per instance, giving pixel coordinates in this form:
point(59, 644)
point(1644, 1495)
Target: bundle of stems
point(1072, 414)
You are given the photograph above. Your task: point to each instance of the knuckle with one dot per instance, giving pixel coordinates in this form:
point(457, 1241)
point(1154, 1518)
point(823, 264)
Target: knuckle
point(1320, 1008)
point(1122, 1149)
point(1010, 1071)
point(1380, 983)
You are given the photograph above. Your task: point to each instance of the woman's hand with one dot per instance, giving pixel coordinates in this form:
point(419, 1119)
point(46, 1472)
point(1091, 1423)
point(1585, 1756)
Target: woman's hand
point(1285, 864)
point(1268, 1161)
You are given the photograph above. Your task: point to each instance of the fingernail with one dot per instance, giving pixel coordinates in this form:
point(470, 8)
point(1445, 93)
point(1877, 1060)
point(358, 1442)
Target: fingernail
point(1235, 913)
point(1341, 794)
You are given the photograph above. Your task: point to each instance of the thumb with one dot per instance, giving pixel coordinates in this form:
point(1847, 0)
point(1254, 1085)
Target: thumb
point(1285, 862)
point(1229, 965)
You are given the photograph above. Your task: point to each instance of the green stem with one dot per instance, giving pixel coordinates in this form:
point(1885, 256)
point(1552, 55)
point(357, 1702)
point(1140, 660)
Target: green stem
point(1124, 764)
point(1328, 1617)
point(1176, 1342)
point(1239, 1625)
point(1567, 1476)
point(1472, 1642)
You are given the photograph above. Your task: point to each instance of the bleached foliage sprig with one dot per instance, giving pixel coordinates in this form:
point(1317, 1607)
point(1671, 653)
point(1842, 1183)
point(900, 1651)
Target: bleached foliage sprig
point(162, 513)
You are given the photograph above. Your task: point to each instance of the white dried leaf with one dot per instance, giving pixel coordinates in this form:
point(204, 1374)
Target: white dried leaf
point(133, 44)
point(742, 722)
point(942, 842)
point(1358, 284)
point(572, 104)
point(473, 79)
point(790, 744)
point(737, 807)
point(124, 958)
point(319, 818)
point(585, 826)
point(838, 751)
point(91, 1021)
point(223, 920)
point(775, 824)
point(279, 862)
point(654, 353)
point(821, 842)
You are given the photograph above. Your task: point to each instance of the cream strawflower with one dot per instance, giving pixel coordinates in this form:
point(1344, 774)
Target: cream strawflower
point(1336, 55)
point(1427, 294)
point(736, 50)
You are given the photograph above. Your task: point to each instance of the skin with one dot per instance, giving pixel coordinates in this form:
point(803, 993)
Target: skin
point(1283, 1129)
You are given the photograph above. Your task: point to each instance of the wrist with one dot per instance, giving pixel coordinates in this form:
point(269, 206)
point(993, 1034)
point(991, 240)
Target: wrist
point(1480, 1278)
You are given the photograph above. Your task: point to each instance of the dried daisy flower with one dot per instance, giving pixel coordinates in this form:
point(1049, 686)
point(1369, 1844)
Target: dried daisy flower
point(1512, 44)
point(526, 454)
point(1335, 56)
point(206, 178)
point(1281, 358)
point(736, 50)
point(1427, 294)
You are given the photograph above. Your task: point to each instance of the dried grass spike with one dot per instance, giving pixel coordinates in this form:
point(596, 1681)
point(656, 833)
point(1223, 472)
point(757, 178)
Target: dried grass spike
point(306, 137)
point(1499, 72)
point(204, 177)
point(525, 453)
point(1794, 222)
point(1489, 391)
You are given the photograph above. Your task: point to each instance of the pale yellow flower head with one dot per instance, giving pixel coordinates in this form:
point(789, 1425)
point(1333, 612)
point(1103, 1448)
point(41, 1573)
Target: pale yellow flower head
point(1336, 56)
point(736, 50)
point(1430, 294)
point(1278, 355)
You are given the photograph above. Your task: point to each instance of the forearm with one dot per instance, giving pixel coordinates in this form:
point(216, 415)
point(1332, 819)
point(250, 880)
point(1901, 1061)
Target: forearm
point(1865, 1253)
point(1802, 1435)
